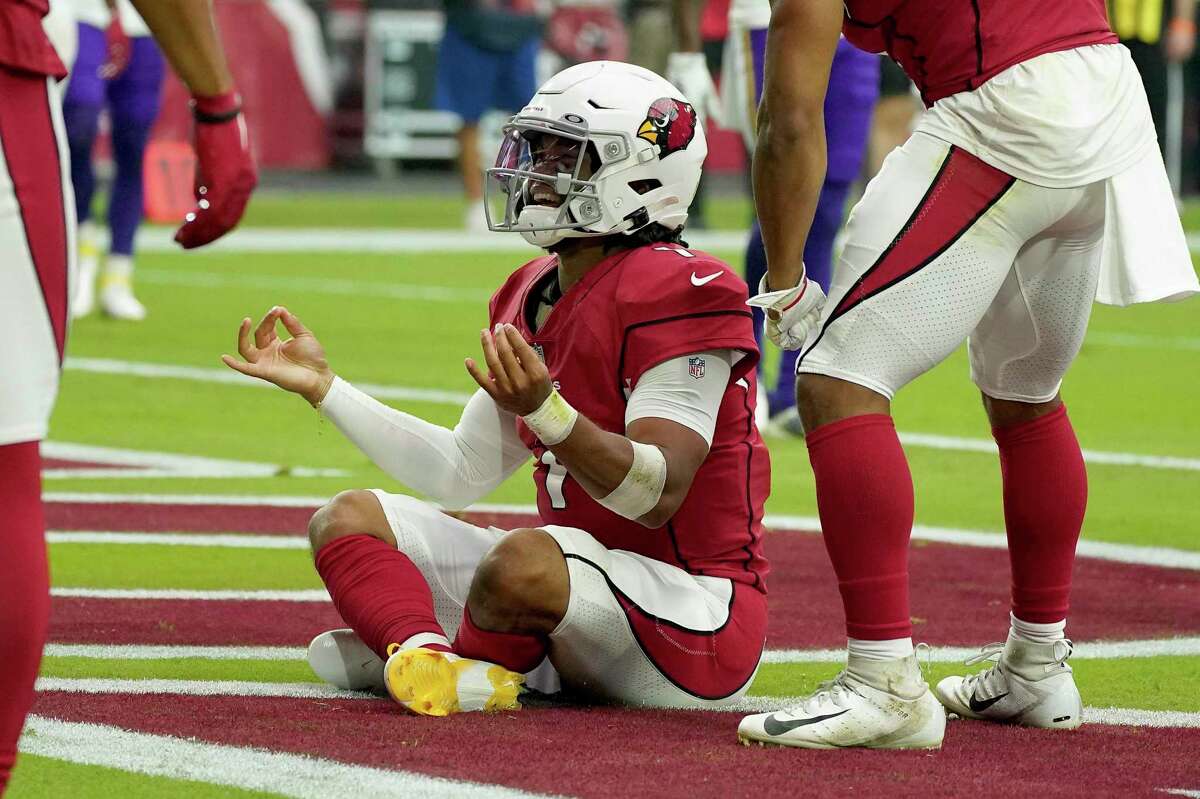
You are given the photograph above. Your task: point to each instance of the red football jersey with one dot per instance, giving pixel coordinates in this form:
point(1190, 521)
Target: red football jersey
point(24, 45)
point(950, 46)
point(630, 312)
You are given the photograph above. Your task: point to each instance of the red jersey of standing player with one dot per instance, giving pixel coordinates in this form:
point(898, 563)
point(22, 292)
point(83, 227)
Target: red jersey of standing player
point(950, 46)
point(629, 313)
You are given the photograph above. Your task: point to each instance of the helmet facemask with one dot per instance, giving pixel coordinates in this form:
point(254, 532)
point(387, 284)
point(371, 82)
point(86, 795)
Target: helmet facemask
point(548, 173)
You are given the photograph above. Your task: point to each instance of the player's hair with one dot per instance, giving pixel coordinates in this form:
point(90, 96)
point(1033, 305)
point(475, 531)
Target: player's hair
point(653, 233)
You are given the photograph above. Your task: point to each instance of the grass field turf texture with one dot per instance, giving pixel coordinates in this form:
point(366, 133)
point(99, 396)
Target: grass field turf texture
point(405, 321)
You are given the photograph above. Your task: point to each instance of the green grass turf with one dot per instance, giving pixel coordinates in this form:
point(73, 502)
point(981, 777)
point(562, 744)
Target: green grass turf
point(179, 669)
point(40, 777)
point(1142, 683)
point(162, 566)
point(1122, 398)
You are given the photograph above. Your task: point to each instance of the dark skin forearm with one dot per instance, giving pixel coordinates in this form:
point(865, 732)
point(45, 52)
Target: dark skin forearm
point(599, 460)
point(789, 159)
point(187, 34)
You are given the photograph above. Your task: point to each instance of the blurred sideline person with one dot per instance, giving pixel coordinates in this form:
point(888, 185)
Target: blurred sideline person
point(896, 112)
point(1031, 188)
point(486, 61)
point(37, 236)
point(623, 363)
point(849, 102)
point(119, 67)
point(1155, 39)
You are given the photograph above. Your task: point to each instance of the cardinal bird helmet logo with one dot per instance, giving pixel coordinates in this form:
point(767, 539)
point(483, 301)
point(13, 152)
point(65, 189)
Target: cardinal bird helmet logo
point(670, 125)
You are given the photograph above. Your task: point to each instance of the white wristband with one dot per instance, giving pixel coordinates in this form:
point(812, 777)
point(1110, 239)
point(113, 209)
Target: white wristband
point(643, 485)
point(553, 421)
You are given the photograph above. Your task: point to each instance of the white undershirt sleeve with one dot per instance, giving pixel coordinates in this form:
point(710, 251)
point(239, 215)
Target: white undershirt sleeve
point(452, 467)
point(687, 390)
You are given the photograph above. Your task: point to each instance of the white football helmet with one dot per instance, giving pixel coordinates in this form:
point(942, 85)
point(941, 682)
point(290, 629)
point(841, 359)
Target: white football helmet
point(603, 148)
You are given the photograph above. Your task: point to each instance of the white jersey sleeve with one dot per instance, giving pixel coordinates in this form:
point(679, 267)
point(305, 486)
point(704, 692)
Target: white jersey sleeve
point(686, 390)
point(452, 467)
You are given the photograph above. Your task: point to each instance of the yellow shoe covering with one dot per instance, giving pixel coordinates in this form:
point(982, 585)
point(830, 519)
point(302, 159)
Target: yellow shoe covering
point(435, 683)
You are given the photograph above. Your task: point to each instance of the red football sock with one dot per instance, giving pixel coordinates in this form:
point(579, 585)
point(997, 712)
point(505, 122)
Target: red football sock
point(1045, 495)
point(514, 651)
point(24, 591)
point(865, 498)
point(380, 593)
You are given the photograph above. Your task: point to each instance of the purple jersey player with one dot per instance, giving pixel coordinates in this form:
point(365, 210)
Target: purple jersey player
point(118, 66)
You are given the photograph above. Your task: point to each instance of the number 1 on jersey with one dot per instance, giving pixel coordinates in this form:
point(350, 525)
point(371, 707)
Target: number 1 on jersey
point(556, 475)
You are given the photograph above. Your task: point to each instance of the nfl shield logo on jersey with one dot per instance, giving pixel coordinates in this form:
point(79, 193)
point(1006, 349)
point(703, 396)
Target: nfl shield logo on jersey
point(696, 367)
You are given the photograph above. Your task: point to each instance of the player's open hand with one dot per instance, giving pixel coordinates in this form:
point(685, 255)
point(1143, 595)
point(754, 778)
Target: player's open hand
point(515, 378)
point(296, 364)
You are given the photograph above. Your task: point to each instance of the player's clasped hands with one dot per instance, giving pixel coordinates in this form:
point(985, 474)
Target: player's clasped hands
point(296, 364)
point(515, 378)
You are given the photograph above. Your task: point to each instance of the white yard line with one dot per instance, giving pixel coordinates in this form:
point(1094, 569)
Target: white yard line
point(1102, 550)
point(1143, 341)
point(143, 465)
point(301, 776)
point(1084, 650)
point(349, 288)
point(388, 240)
point(224, 375)
point(233, 540)
point(925, 440)
point(299, 595)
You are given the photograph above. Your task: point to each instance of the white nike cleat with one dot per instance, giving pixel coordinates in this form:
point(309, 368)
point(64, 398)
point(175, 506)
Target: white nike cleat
point(436, 683)
point(1031, 685)
point(340, 658)
point(894, 711)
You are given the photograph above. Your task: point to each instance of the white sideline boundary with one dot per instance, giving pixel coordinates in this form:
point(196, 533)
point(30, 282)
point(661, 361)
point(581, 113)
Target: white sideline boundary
point(1084, 650)
point(227, 376)
point(780, 523)
point(141, 464)
point(752, 704)
point(300, 776)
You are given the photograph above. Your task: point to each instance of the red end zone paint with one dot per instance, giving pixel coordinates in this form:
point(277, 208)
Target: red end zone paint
point(959, 593)
point(608, 752)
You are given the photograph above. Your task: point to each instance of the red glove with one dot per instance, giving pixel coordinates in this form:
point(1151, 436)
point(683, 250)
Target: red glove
point(225, 172)
point(118, 50)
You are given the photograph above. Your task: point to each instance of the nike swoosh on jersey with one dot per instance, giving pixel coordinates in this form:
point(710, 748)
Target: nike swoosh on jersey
point(980, 705)
point(773, 726)
point(700, 281)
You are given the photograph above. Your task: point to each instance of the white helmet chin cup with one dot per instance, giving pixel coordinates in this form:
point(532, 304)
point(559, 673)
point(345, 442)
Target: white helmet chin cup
point(638, 159)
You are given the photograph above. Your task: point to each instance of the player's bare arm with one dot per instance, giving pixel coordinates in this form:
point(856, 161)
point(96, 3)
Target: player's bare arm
point(789, 159)
point(226, 174)
point(600, 461)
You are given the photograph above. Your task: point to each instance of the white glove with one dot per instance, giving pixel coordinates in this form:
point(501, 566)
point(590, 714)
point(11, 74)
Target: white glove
point(791, 313)
point(689, 73)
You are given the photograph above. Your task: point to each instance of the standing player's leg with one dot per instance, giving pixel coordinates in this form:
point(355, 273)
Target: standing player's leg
point(927, 250)
point(133, 99)
point(82, 105)
point(36, 236)
point(1019, 354)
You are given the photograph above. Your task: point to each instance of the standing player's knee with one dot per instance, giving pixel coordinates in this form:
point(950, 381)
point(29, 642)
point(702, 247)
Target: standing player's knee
point(1005, 413)
point(821, 399)
point(521, 584)
point(356, 512)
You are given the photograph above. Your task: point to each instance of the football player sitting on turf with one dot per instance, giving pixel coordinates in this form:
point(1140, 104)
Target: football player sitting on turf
point(623, 363)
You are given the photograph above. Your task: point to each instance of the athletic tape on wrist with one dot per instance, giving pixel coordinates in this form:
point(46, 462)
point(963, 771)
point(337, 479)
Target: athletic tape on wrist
point(553, 421)
point(643, 485)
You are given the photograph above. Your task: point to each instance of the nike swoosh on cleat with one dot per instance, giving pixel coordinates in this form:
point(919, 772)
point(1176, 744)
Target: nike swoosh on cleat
point(773, 726)
point(980, 705)
point(700, 281)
